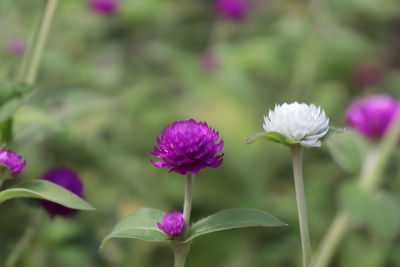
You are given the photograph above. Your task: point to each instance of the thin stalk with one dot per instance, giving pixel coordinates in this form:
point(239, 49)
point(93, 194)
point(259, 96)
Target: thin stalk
point(187, 204)
point(181, 250)
point(39, 41)
point(373, 167)
point(301, 202)
point(22, 243)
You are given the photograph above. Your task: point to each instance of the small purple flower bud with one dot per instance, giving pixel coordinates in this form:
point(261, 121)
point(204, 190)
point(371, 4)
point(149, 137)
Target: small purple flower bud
point(232, 9)
point(373, 115)
point(188, 146)
point(68, 180)
point(104, 7)
point(172, 223)
point(367, 76)
point(16, 46)
point(12, 160)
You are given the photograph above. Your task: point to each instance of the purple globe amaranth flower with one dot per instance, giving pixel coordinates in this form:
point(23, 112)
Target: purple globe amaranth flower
point(104, 7)
point(172, 223)
point(188, 146)
point(12, 160)
point(232, 9)
point(16, 46)
point(68, 180)
point(373, 115)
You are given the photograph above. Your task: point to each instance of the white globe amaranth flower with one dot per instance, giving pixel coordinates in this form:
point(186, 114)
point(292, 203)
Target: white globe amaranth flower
point(304, 124)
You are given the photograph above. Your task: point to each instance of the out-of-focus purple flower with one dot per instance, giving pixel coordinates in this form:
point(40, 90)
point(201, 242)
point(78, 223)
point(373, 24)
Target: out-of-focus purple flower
point(16, 46)
point(12, 160)
point(68, 180)
point(208, 61)
point(373, 115)
point(232, 9)
point(188, 146)
point(172, 223)
point(368, 76)
point(104, 7)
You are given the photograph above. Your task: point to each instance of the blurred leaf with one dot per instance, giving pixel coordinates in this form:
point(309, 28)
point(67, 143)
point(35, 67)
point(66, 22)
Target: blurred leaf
point(12, 96)
point(379, 211)
point(272, 136)
point(45, 190)
point(139, 225)
point(231, 219)
point(348, 149)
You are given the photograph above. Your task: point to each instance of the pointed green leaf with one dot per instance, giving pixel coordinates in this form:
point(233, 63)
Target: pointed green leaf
point(12, 96)
point(272, 136)
point(231, 219)
point(141, 225)
point(45, 190)
point(348, 150)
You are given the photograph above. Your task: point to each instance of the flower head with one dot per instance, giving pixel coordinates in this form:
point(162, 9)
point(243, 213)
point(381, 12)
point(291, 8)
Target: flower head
point(372, 116)
point(12, 160)
point(68, 180)
point(188, 146)
point(299, 122)
point(172, 223)
point(232, 9)
point(104, 7)
point(16, 46)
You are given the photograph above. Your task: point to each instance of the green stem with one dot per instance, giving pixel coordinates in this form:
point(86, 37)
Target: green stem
point(371, 174)
point(182, 249)
point(301, 202)
point(39, 42)
point(22, 243)
point(187, 204)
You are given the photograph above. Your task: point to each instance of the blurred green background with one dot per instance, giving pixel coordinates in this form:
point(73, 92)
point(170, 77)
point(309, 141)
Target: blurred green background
point(108, 85)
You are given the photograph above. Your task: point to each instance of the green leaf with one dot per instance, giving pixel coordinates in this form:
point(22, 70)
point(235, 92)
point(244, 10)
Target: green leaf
point(272, 136)
point(231, 219)
point(379, 211)
point(12, 96)
point(45, 190)
point(141, 225)
point(348, 150)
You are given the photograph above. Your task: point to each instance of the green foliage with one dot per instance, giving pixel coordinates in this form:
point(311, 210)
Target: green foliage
point(231, 219)
point(12, 96)
point(45, 190)
point(273, 137)
point(348, 149)
point(142, 224)
point(379, 211)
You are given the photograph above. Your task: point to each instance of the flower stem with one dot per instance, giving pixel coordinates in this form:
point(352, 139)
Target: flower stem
point(371, 174)
point(301, 202)
point(39, 41)
point(181, 251)
point(187, 205)
point(22, 243)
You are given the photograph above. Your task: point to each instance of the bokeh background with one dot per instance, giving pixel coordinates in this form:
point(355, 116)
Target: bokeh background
point(108, 85)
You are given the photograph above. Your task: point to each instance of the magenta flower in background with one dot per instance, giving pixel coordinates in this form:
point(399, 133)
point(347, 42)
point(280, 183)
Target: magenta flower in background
point(368, 76)
point(68, 180)
point(12, 160)
point(373, 115)
point(16, 46)
point(188, 146)
point(172, 223)
point(104, 7)
point(232, 9)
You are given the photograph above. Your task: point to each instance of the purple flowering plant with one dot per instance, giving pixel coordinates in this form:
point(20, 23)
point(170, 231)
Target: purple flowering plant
point(186, 147)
